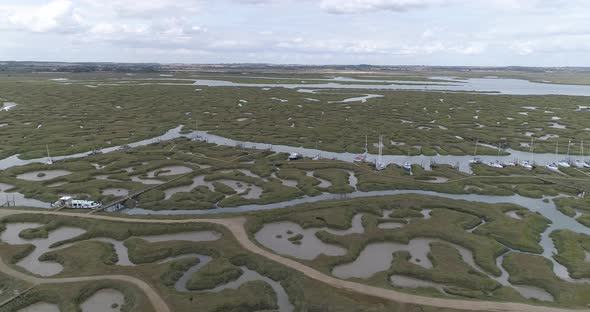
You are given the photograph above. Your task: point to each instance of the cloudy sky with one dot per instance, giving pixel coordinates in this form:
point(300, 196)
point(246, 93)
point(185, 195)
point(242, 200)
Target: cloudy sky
point(423, 32)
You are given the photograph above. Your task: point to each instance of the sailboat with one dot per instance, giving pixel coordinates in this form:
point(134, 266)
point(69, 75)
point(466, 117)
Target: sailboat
point(554, 166)
point(407, 166)
point(49, 160)
point(564, 162)
point(586, 163)
point(475, 160)
point(318, 156)
point(579, 163)
point(507, 163)
point(529, 165)
point(497, 164)
point(196, 137)
point(362, 157)
point(379, 164)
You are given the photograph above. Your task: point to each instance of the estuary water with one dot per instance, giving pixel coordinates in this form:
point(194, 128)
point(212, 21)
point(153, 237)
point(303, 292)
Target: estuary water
point(473, 85)
point(461, 161)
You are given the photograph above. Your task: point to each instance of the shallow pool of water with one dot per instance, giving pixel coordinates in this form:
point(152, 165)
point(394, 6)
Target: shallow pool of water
point(275, 237)
point(198, 236)
point(17, 198)
point(246, 190)
point(289, 183)
point(377, 257)
point(31, 262)
point(41, 307)
point(42, 175)
point(323, 183)
point(104, 300)
point(249, 275)
point(118, 192)
point(168, 171)
point(197, 181)
point(180, 284)
point(390, 225)
point(146, 181)
point(403, 281)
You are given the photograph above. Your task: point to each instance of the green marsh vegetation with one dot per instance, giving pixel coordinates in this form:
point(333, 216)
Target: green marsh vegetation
point(208, 164)
point(88, 258)
point(85, 181)
point(537, 271)
point(76, 118)
point(10, 286)
point(68, 297)
point(574, 252)
point(449, 222)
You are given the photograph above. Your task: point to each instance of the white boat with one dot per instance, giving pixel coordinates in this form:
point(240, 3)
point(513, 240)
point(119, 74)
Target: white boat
point(475, 160)
point(95, 152)
point(561, 163)
point(293, 156)
point(552, 166)
point(532, 162)
point(318, 156)
point(362, 157)
point(526, 165)
point(509, 163)
point(579, 164)
point(69, 202)
point(565, 163)
point(496, 164)
point(379, 164)
point(49, 159)
point(407, 166)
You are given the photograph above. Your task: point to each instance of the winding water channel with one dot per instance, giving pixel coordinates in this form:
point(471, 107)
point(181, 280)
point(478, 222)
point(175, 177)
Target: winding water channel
point(461, 161)
point(96, 302)
point(547, 209)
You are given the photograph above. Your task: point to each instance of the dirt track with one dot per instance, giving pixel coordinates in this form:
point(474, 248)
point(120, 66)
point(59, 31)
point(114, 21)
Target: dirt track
point(236, 226)
point(157, 302)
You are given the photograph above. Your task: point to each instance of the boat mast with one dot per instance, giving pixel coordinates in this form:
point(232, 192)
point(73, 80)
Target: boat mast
point(532, 150)
point(567, 158)
point(582, 151)
point(366, 146)
point(475, 152)
point(557, 151)
point(380, 148)
point(379, 158)
point(49, 160)
point(317, 149)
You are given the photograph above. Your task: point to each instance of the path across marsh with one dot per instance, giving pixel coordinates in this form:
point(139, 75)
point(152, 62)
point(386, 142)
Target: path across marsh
point(237, 227)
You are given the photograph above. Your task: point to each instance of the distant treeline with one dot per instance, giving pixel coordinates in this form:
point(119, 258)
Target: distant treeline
point(13, 66)
point(240, 67)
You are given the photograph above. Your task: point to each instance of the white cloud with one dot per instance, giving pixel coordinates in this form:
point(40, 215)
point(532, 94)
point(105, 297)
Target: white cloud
point(55, 16)
point(361, 6)
point(146, 9)
point(289, 31)
point(522, 48)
